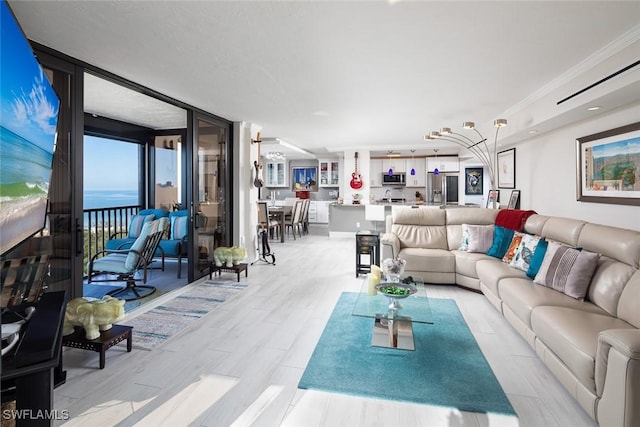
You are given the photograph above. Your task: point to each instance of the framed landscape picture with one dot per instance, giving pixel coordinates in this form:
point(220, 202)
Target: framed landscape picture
point(608, 166)
point(507, 168)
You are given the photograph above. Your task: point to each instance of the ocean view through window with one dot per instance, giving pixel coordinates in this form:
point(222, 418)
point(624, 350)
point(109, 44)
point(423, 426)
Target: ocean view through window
point(111, 175)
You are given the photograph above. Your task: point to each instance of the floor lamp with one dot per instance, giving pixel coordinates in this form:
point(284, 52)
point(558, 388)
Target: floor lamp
point(374, 213)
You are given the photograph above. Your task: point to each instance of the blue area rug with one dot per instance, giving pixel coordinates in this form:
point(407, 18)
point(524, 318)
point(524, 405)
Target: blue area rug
point(446, 369)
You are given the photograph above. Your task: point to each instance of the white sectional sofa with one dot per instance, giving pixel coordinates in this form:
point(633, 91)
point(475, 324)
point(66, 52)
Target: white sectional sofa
point(591, 346)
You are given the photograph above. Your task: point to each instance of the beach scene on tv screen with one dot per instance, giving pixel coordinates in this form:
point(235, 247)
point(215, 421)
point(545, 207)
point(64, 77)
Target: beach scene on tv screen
point(27, 137)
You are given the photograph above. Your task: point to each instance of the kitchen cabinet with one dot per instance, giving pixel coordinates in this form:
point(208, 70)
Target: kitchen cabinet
point(275, 174)
point(398, 165)
point(443, 163)
point(420, 177)
point(375, 170)
point(323, 212)
point(329, 173)
point(313, 211)
point(319, 211)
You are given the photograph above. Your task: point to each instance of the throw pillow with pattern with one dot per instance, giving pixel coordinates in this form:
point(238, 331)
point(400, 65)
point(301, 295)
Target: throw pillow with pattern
point(464, 245)
point(137, 222)
point(513, 247)
point(525, 251)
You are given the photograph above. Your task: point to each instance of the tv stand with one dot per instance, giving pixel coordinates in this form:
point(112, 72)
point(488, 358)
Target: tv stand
point(31, 373)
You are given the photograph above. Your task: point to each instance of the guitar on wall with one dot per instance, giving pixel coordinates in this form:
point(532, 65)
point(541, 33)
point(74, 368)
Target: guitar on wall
point(356, 179)
point(258, 181)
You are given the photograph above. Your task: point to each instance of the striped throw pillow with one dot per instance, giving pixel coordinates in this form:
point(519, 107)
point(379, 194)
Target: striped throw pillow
point(137, 221)
point(567, 270)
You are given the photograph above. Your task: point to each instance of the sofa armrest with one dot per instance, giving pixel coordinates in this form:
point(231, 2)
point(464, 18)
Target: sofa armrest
point(624, 341)
point(391, 240)
point(617, 377)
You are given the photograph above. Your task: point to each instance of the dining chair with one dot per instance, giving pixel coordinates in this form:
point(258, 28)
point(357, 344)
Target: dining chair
point(265, 221)
point(295, 221)
point(305, 216)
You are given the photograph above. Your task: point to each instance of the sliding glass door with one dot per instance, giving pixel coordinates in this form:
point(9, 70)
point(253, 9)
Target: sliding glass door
point(210, 205)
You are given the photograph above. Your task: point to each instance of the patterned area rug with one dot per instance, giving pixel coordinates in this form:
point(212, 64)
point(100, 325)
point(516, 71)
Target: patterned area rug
point(157, 325)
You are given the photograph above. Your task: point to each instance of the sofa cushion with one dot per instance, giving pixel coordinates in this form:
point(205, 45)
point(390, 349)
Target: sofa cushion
point(421, 236)
point(434, 260)
point(466, 262)
point(501, 240)
point(572, 335)
point(522, 296)
point(567, 270)
point(491, 271)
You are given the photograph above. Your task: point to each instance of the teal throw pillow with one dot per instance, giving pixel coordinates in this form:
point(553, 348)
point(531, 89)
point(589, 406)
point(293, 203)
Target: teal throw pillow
point(537, 258)
point(501, 240)
point(137, 221)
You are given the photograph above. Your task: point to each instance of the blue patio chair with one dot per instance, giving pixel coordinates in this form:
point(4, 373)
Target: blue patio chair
point(176, 246)
point(125, 263)
point(124, 240)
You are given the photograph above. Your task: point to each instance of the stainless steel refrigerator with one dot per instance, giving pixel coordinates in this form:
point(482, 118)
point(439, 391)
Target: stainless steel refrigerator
point(442, 189)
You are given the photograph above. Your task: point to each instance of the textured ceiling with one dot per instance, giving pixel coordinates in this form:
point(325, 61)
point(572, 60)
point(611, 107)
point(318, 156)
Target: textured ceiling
point(335, 75)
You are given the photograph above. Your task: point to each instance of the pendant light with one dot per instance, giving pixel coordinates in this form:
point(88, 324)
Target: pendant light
point(436, 171)
point(413, 171)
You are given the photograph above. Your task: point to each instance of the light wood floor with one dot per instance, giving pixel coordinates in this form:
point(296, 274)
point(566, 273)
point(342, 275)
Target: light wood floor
point(240, 364)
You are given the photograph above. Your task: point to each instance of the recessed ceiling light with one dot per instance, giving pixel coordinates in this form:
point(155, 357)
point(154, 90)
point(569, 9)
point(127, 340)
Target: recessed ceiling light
point(533, 131)
point(594, 108)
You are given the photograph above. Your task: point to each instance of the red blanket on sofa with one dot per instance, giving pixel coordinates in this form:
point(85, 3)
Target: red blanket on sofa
point(513, 219)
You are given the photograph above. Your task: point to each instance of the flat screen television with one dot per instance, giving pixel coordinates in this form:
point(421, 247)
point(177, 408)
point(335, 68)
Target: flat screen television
point(28, 122)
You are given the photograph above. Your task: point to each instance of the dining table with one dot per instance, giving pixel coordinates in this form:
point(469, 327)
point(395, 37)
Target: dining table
point(280, 212)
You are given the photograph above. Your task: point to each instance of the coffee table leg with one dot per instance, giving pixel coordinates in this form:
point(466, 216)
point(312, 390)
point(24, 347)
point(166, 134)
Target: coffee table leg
point(102, 351)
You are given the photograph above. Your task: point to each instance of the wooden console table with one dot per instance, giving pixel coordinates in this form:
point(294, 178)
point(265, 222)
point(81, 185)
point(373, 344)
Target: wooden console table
point(106, 340)
point(235, 269)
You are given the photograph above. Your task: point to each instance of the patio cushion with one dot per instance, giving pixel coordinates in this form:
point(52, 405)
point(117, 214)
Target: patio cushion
point(137, 221)
point(132, 257)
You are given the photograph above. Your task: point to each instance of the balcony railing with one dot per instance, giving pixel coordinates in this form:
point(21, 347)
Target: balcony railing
point(100, 224)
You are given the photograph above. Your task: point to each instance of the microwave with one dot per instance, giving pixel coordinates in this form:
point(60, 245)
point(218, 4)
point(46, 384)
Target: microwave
point(394, 179)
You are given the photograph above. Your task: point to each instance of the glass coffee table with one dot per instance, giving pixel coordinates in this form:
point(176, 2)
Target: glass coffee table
point(393, 315)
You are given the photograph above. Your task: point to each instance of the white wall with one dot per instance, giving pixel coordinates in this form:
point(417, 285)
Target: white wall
point(546, 173)
point(245, 214)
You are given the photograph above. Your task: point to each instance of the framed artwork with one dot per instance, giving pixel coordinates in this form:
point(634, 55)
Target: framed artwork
point(608, 166)
point(493, 195)
point(507, 168)
point(473, 181)
point(514, 200)
point(304, 178)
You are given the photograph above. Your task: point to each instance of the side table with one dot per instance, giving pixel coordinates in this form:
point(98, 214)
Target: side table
point(106, 340)
point(239, 268)
point(367, 244)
